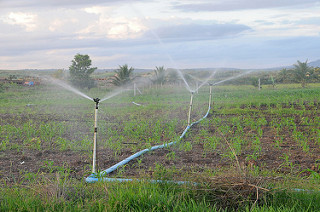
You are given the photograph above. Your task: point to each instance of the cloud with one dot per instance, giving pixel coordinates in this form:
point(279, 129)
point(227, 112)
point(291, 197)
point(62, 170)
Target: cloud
point(114, 28)
point(194, 31)
point(26, 20)
point(58, 3)
point(229, 5)
point(47, 34)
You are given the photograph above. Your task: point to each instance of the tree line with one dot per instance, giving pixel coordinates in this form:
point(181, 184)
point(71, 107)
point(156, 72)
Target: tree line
point(80, 72)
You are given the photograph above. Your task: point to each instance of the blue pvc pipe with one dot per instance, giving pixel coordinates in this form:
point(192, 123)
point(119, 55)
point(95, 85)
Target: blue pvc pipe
point(93, 178)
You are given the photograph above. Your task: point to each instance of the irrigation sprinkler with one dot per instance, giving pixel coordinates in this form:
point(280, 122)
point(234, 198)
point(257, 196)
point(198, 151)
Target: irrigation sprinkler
point(190, 108)
point(94, 158)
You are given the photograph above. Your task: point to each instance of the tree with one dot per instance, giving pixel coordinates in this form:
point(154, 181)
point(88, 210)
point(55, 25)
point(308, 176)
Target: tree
point(302, 72)
point(172, 76)
point(255, 82)
point(59, 74)
point(80, 71)
point(316, 74)
point(123, 75)
point(160, 75)
point(283, 76)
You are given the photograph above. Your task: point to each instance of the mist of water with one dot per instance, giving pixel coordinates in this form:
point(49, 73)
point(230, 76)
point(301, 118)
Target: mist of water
point(232, 78)
point(112, 94)
point(66, 86)
point(206, 81)
point(162, 46)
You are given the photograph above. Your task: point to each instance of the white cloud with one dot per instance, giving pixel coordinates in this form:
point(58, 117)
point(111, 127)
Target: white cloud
point(111, 26)
point(232, 5)
point(26, 20)
point(44, 34)
point(123, 28)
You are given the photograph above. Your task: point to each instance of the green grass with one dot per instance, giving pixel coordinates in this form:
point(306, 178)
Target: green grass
point(49, 118)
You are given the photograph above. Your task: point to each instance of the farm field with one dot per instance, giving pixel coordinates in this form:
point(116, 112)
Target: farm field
point(269, 137)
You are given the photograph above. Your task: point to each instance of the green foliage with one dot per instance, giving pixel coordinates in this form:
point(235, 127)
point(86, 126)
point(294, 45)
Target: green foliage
point(123, 75)
point(255, 82)
point(172, 76)
point(60, 121)
point(160, 75)
point(80, 71)
point(302, 72)
point(59, 74)
point(284, 76)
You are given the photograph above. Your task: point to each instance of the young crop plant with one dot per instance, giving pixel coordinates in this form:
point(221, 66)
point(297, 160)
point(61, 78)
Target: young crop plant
point(210, 143)
point(278, 141)
point(171, 156)
point(287, 163)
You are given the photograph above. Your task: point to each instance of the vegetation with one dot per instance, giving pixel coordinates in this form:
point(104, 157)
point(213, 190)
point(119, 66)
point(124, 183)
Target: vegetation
point(253, 152)
point(160, 75)
point(123, 75)
point(302, 72)
point(80, 71)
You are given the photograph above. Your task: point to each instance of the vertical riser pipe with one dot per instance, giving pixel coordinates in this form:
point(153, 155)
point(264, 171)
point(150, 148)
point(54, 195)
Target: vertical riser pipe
point(94, 157)
point(210, 96)
point(190, 109)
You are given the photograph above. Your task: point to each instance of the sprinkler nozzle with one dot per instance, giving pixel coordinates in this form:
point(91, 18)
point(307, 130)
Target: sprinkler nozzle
point(192, 92)
point(211, 84)
point(96, 100)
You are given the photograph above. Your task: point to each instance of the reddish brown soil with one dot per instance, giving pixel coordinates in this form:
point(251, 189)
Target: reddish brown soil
point(15, 164)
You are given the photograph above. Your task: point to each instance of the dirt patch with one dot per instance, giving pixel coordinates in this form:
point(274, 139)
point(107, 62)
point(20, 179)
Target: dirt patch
point(192, 162)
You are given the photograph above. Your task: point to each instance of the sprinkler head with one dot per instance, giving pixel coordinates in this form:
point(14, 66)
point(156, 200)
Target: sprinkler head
point(211, 84)
point(192, 92)
point(96, 100)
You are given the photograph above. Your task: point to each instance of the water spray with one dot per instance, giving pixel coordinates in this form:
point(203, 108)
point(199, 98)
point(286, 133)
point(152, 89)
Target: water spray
point(94, 158)
point(190, 108)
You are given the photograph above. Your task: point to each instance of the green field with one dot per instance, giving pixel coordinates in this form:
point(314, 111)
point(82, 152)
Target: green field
point(253, 152)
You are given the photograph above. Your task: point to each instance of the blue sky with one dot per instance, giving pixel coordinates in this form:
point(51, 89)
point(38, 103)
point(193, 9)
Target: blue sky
point(149, 33)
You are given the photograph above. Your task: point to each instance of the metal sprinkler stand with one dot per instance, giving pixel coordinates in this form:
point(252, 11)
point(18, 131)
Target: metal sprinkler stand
point(94, 158)
point(190, 108)
point(210, 97)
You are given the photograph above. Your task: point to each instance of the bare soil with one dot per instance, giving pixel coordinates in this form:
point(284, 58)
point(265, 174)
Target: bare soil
point(15, 164)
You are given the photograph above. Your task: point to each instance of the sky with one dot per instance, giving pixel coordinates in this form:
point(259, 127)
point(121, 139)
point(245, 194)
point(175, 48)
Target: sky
point(247, 34)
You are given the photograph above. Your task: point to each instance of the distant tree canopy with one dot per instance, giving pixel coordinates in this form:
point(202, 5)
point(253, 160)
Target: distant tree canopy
point(302, 72)
point(59, 74)
point(160, 75)
point(80, 71)
point(123, 75)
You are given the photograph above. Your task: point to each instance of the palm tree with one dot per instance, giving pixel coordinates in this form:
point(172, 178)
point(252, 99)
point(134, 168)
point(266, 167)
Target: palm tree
point(302, 72)
point(123, 75)
point(160, 75)
point(283, 75)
